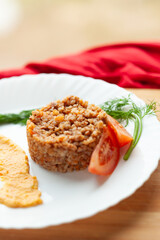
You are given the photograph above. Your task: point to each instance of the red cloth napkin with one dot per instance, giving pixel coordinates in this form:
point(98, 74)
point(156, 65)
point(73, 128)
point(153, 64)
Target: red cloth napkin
point(135, 65)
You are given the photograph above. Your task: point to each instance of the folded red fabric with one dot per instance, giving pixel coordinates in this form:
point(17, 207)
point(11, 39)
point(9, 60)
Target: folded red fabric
point(135, 65)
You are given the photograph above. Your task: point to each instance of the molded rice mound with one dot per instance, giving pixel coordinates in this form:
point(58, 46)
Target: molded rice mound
point(63, 135)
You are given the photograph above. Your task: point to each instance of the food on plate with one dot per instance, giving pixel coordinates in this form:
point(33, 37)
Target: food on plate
point(63, 135)
point(19, 189)
point(70, 134)
point(123, 109)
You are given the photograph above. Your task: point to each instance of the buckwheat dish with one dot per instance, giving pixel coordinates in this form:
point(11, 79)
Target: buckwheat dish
point(63, 135)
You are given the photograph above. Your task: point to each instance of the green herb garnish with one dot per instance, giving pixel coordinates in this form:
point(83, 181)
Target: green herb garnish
point(124, 109)
point(20, 118)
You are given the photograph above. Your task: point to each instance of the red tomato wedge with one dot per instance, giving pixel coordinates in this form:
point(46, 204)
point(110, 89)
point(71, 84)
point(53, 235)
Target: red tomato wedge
point(105, 157)
point(123, 137)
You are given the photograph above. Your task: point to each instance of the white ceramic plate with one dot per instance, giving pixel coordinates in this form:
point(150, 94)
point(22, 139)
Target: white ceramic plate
point(71, 196)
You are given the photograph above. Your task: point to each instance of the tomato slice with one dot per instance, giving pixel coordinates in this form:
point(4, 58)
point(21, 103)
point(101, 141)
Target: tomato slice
point(123, 137)
point(105, 157)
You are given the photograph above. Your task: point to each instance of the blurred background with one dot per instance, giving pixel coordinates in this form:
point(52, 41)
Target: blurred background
point(35, 30)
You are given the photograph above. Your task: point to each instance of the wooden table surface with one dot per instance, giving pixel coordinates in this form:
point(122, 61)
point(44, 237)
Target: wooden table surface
point(135, 218)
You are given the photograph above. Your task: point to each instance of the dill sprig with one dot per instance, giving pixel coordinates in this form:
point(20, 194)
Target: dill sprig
point(124, 109)
point(19, 118)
